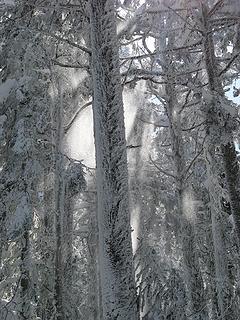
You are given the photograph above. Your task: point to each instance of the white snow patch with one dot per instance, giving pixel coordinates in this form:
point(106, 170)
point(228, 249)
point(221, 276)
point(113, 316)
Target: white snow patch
point(77, 76)
point(135, 223)
point(189, 206)
point(230, 48)
point(131, 99)
point(150, 41)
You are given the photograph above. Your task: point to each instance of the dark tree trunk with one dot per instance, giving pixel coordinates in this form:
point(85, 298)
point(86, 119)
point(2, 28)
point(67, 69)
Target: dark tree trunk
point(25, 278)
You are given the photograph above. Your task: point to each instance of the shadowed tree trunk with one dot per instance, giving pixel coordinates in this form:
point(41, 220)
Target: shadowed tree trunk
point(25, 278)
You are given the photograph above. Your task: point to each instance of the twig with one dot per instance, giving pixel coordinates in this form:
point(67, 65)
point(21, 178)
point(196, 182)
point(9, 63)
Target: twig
point(73, 44)
point(193, 28)
point(68, 126)
point(73, 66)
point(194, 159)
point(154, 124)
point(216, 7)
point(78, 161)
point(160, 169)
point(194, 126)
point(229, 64)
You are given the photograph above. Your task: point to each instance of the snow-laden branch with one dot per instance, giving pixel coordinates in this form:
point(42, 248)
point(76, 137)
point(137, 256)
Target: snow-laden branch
point(71, 43)
point(73, 66)
point(151, 73)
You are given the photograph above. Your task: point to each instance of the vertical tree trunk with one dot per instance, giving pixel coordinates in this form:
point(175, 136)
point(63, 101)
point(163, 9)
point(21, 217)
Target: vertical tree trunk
point(47, 248)
point(25, 312)
point(94, 285)
point(193, 277)
point(231, 167)
point(59, 211)
point(214, 137)
point(67, 256)
point(228, 150)
point(137, 180)
point(115, 249)
point(192, 273)
point(223, 287)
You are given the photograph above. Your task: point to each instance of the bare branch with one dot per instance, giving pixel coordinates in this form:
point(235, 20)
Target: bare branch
point(191, 27)
point(154, 124)
point(195, 126)
point(229, 63)
point(144, 72)
point(68, 126)
point(73, 66)
point(194, 159)
point(71, 43)
point(219, 4)
point(160, 169)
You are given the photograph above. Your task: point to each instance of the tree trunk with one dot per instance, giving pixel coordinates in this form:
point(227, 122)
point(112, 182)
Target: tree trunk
point(93, 269)
point(115, 249)
point(193, 277)
point(232, 178)
point(192, 272)
point(46, 303)
point(68, 256)
point(214, 137)
point(228, 150)
point(59, 211)
point(25, 312)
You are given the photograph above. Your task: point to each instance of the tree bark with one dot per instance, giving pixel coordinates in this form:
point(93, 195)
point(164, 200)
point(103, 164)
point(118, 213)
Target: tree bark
point(193, 277)
point(59, 211)
point(214, 134)
point(192, 273)
point(25, 312)
point(228, 150)
point(115, 249)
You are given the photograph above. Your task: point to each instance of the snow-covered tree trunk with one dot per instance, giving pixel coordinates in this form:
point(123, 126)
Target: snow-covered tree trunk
point(214, 137)
point(94, 286)
point(227, 147)
point(136, 157)
point(67, 255)
point(193, 278)
point(210, 265)
point(192, 273)
point(115, 248)
point(223, 288)
point(59, 209)
point(231, 167)
point(73, 182)
point(46, 302)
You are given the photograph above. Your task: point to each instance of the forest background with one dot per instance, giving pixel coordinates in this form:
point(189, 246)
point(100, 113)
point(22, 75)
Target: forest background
point(119, 160)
